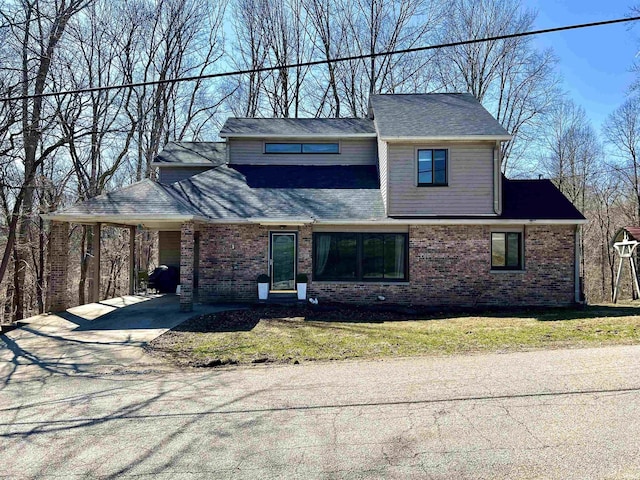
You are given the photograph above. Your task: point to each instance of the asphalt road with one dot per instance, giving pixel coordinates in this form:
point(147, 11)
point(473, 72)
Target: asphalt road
point(556, 414)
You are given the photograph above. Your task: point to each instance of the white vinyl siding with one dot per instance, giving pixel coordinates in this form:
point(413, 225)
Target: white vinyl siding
point(469, 189)
point(249, 151)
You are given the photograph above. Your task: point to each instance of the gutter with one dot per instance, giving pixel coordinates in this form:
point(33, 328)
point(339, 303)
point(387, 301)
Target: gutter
point(294, 135)
point(136, 219)
point(443, 138)
point(122, 219)
point(453, 221)
point(576, 266)
point(497, 180)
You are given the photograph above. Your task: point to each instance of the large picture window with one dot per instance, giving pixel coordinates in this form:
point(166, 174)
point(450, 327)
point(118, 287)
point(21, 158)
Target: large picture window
point(301, 148)
point(360, 256)
point(506, 251)
point(432, 167)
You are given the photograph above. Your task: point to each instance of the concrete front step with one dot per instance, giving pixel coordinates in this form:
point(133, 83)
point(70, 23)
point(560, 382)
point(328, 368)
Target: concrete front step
point(283, 299)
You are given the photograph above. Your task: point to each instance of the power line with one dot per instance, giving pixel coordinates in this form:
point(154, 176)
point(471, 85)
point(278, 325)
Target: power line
point(326, 61)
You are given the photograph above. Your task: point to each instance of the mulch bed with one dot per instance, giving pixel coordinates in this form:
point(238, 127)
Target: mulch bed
point(244, 320)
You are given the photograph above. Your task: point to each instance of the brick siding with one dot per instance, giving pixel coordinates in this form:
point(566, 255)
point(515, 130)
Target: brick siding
point(186, 266)
point(448, 265)
point(231, 258)
point(58, 297)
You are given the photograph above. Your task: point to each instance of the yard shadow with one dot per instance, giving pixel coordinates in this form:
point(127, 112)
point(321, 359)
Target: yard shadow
point(585, 312)
point(247, 319)
point(390, 313)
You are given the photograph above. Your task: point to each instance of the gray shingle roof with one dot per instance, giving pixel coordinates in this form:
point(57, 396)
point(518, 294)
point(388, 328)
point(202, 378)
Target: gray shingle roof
point(142, 198)
point(192, 154)
point(434, 115)
point(280, 192)
point(531, 199)
point(297, 127)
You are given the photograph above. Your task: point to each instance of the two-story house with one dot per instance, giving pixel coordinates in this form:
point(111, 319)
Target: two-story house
point(408, 205)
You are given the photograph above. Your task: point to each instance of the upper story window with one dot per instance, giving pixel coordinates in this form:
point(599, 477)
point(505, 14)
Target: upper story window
point(432, 167)
point(506, 251)
point(301, 148)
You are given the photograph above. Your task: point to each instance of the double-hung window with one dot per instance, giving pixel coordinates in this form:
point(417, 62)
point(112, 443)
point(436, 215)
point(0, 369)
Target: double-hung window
point(432, 167)
point(506, 251)
point(364, 257)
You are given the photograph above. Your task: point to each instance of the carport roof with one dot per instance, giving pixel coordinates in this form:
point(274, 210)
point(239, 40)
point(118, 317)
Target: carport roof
point(239, 193)
point(145, 200)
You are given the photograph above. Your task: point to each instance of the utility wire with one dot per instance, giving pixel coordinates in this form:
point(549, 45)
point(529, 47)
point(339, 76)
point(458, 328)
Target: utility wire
point(326, 61)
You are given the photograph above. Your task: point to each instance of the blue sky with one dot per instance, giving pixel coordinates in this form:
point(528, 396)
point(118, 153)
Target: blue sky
point(594, 62)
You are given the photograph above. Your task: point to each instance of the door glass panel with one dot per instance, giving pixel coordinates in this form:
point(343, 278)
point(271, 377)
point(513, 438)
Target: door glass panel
point(283, 255)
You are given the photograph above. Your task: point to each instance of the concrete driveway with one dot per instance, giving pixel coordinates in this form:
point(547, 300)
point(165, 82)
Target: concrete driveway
point(103, 337)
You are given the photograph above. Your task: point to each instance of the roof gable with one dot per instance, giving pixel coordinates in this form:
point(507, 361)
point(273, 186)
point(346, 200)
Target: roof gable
point(434, 116)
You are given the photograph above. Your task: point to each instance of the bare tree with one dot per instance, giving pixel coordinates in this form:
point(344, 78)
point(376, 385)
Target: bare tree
point(37, 28)
point(509, 77)
point(328, 27)
point(171, 39)
point(572, 151)
point(622, 133)
point(385, 25)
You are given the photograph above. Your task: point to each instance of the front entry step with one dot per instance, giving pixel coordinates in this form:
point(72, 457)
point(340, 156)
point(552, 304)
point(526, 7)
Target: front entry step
point(283, 299)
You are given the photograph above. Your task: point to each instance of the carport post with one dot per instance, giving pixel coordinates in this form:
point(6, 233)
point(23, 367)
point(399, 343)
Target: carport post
point(186, 266)
point(132, 263)
point(94, 295)
point(57, 287)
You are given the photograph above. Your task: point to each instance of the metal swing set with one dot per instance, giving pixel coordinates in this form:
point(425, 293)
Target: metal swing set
point(625, 244)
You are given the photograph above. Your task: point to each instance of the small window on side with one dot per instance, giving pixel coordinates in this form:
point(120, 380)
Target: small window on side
point(506, 251)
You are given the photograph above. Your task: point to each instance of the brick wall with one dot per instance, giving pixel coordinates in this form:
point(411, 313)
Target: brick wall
point(231, 258)
point(448, 265)
point(58, 298)
point(186, 266)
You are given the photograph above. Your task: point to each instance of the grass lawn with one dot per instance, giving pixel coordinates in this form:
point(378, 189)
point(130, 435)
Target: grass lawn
point(288, 335)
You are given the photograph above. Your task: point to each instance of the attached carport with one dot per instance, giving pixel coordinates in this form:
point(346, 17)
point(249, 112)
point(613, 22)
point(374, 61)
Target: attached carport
point(132, 208)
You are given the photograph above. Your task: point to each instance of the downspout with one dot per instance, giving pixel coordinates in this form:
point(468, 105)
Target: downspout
point(576, 267)
point(497, 180)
